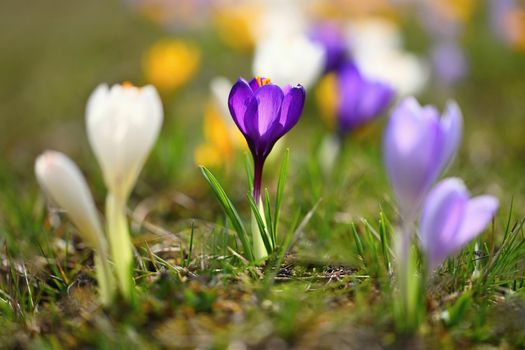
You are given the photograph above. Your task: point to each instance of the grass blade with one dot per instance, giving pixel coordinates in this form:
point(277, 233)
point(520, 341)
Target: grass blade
point(280, 189)
point(229, 210)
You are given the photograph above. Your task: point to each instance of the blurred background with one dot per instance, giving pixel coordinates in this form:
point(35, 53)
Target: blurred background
point(54, 53)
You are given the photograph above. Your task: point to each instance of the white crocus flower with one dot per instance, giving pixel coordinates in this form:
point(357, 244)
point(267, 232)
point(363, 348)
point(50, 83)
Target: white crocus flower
point(123, 123)
point(289, 60)
point(63, 182)
point(376, 46)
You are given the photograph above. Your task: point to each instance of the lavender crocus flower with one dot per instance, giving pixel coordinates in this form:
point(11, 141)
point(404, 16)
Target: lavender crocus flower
point(360, 99)
point(417, 146)
point(451, 219)
point(333, 40)
point(264, 112)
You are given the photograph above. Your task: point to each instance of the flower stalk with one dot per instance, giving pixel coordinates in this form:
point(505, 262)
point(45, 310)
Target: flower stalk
point(120, 243)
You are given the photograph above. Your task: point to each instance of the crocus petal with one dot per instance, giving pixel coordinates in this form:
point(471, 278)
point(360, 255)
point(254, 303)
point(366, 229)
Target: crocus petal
point(441, 218)
point(269, 99)
point(452, 126)
point(61, 179)
point(238, 100)
point(478, 214)
point(292, 107)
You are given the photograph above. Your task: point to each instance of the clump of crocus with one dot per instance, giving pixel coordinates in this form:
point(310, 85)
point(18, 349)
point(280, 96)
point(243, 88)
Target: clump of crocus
point(61, 180)
point(123, 123)
point(264, 112)
point(418, 144)
point(451, 219)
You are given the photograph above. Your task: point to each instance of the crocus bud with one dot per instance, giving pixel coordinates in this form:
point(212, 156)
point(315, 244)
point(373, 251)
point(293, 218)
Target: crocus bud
point(264, 112)
point(61, 179)
point(417, 146)
point(451, 219)
point(123, 123)
point(349, 100)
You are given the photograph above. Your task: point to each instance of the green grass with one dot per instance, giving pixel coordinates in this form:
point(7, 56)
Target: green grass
point(329, 283)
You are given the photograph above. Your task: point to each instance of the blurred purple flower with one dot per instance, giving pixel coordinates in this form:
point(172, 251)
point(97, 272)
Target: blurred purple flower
point(451, 219)
point(417, 146)
point(264, 112)
point(449, 62)
point(360, 99)
point(332, 39)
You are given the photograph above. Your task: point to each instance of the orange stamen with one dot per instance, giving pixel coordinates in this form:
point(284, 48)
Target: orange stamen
point(262, 81)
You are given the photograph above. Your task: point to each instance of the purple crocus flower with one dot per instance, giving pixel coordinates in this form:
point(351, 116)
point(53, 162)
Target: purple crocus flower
point(360, 99)
point(417, 146)
point(451, 219)
point(264, 112)
point(332, 39)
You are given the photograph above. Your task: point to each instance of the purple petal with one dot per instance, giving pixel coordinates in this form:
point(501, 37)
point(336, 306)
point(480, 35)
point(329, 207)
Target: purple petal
point(238, 100)
point(269, 99)
point(412, 149)
point(452, 126)
point(441, 218)
point(292, 108)
point(478, 214)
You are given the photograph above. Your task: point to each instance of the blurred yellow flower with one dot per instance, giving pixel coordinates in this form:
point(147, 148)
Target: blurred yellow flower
point(221, 139)
point(327, 98)
point(171, 63)
point(236, 25)
point(454, 10)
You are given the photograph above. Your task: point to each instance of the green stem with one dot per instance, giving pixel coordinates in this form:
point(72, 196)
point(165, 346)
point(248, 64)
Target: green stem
point(120, 243)
point(105, 280)
point(408, 281)
point(259, 249)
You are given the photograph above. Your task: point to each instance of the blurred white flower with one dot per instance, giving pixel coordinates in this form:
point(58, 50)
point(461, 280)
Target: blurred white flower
point(123, 124)
point(289, 60)
point(220, 89)
point(63, 182)
point(376, 46)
